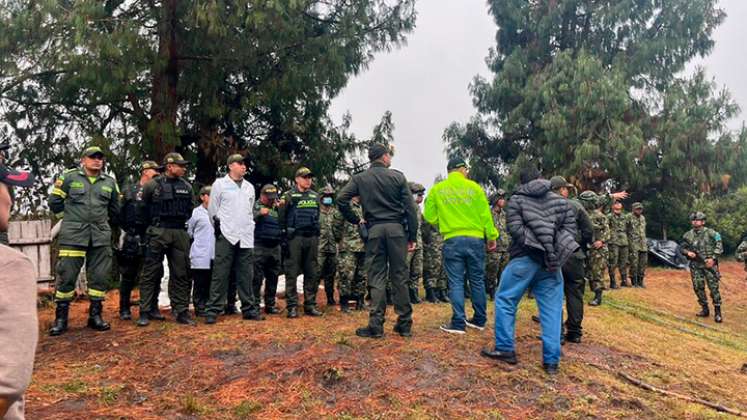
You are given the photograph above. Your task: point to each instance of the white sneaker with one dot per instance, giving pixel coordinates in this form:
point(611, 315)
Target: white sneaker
point(470, 324)
point(449, 329)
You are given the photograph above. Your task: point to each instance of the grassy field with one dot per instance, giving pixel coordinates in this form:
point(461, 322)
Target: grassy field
point(318, 368)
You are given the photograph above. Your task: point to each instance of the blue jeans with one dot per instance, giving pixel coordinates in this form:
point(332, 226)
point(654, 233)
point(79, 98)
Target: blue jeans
point(520, 274)
point(462, 255)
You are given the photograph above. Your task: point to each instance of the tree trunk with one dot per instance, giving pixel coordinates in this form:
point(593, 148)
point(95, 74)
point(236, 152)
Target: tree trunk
point(164, 99)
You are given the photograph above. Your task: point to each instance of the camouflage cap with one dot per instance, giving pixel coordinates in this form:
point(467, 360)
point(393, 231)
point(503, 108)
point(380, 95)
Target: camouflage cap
point(270, 191)
point(174, 158)
point(637, 206)
point(149, 164)
point(304, 172)
point(698, 215)
point(328, 190)
point(558, 181)
point(93, 151)
point(205, 190)
point(416, 188)
point(234, 158)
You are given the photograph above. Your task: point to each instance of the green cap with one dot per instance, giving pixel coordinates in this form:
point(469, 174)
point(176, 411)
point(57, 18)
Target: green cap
point(234, 158)
point(558, 181)
point(270, 191)
point(92, 151)
point(175, 158)
point(456, 163)
point(205, 190)
point(149, 164)
point(304, 172)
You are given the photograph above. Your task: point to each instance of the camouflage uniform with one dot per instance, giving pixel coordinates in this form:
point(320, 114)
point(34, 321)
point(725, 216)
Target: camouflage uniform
point(638, 248)
point(415, 258)
point(352, 259)
point(618, 247)
point(498, 259)
point(706, 243)
point(741, 253)
point(434, 274)
point(327, 258)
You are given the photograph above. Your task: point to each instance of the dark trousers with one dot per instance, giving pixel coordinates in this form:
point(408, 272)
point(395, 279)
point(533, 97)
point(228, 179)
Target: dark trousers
point(328, 270)
point(98, 261)
point(302, 259)
point(201, 290)
point(267, 268)
point(573, 287)
point(174, 245)
point(386, 250)
point(231, 259)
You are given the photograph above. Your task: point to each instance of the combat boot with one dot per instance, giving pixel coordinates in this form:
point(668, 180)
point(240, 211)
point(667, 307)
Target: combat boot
point(331, 297)
point(443, 296)
point(124, 306)
point(613, 282)
point(360, 303)
point(597, 298)
point(717, 317)
point(344, 304)
point(624, 281)
point(60, 318)
point(185, 318)
point(95, 321)
point(414, 298)
point(704, 312)
point(430, 296)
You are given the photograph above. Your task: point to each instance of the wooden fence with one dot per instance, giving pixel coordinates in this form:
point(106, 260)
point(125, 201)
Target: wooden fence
point(34, 239)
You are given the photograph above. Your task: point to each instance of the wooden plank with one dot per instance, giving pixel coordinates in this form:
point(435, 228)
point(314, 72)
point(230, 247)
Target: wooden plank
point(31, 241)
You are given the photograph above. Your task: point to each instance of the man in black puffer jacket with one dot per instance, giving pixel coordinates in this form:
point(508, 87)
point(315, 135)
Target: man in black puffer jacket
point(542, 225)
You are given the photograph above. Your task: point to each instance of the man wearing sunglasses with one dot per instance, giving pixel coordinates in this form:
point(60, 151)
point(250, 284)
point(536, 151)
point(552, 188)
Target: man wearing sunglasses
point(87, 201)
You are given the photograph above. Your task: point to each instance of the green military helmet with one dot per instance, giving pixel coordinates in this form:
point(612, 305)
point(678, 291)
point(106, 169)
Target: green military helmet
point(698, 215)
point(416, 188)
point(589, 199)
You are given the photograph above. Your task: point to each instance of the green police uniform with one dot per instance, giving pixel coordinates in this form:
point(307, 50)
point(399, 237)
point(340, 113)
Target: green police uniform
point(327, 257)
point(706, 244)
point(618, 247)
point(638, 247)
point(87, 206)
point(299, 219)
point(267, 258)
point(167, 205)
point(352, 260)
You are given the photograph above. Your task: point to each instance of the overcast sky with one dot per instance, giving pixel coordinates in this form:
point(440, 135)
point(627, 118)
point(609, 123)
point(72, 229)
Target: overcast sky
point(425, 83)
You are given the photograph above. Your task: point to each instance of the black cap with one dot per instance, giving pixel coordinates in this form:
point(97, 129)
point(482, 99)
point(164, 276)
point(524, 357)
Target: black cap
point(15, 178)
point(456, 163)
point(270, 191)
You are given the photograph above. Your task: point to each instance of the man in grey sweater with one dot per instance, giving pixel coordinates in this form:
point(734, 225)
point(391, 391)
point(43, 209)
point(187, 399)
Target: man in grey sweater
point(18, 323)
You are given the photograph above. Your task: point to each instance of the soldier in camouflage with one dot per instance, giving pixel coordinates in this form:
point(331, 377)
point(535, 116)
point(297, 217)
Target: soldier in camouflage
point(618, 245)
point(415, 258)
point(702, 246)
point(498, 259)
point(327, 257)
point(598, 254)
point(436, 284)
point(741, 253)
point(351, 261)
point(638, 246)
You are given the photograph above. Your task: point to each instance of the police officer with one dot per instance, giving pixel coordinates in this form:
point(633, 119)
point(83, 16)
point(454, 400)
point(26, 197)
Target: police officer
point(702, 246)
point(130, 256)
point(299, 219)
point(267, 238)
point(89, 201)
point(388, 206)
point(167, 205)
point(327, 245)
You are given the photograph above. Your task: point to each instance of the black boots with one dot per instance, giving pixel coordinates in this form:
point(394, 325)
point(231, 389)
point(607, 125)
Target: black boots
point(360, 303)
point(185, 318)
point(704, 312)
point(60, 319)
point(442, 296)
point(430, 295)
point(613, 281)
point(345, 304)
point(624, 281)
point(124, 304)
point(414, 298)
point(331, 296)
point(95, 321)
point(717, 317)
point(597, 298)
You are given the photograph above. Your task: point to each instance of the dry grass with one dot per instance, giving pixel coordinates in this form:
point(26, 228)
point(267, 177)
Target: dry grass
point(317, 368)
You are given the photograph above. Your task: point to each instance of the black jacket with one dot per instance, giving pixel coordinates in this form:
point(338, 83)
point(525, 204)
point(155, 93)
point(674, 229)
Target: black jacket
point(385, 198)
point(542, 225)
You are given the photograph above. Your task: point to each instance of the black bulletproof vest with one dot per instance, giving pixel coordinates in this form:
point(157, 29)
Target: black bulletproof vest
point(172, 202)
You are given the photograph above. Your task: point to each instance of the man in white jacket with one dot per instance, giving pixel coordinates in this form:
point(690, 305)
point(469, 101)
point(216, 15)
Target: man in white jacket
point(231, 211)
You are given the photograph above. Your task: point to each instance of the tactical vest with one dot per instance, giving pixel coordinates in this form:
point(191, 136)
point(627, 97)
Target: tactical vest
point(303, 213)
point(172, 203)
point(131, 207)
point(267, 231)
